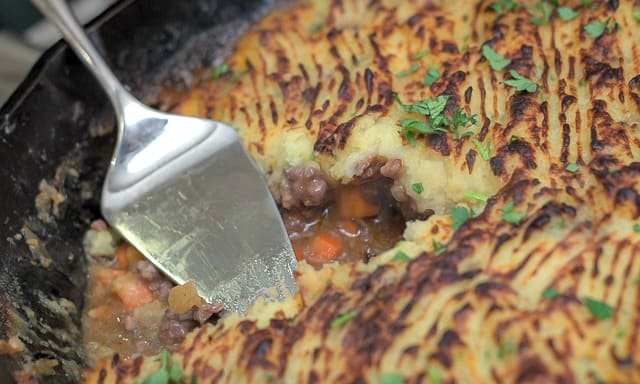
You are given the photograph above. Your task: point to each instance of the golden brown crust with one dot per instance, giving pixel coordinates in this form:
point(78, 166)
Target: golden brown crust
point(475, 313)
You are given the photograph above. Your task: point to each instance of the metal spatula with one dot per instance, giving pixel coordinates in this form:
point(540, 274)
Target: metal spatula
point(186, 194)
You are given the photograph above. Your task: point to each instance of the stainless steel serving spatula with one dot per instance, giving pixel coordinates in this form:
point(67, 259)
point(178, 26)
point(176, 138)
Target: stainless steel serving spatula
point(184, 192)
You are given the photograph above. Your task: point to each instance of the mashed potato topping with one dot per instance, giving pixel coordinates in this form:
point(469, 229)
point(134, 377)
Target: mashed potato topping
point(520, 258)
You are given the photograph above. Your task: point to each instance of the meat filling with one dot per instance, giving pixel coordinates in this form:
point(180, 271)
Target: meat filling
point(303, 187)
point(129, 300)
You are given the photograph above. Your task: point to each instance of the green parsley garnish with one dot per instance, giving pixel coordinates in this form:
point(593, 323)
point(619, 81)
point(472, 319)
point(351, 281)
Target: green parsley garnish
point(168, 373)
point(502, 5)
point(596, 28)
point(550, 294)
point(542, 11)
point(462, 120)
point(506, 349)
point(343, 319)
point(567, 13)
point(460, 215)
point(220, 70)
point(392, 378)
point(428, 107)
point(431, 77)
point(496, 61)
point(573, 167)
point(438, 248)
point(510, 216)
point(401, 256)
point(586, 3)
point(420, 54)
point(413, 68)
point(485, 151)
point(417, 188)
point(435, 375)
point(636, 15)
point(316, 27)
point(476, 196)
point(438, 122)
point(521, 83)
point(598, 309)
point(636, 228)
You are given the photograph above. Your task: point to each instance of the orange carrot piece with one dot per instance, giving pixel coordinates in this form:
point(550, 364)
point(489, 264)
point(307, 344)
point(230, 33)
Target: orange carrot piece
point(133, 254)
point(349, 227)
point(352, 204)
point(132, 292)
point(121, 255)
point(326, 246)
point(126, 254)
point(298, 250)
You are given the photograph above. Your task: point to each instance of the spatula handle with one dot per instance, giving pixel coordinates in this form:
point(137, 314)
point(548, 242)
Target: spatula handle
point(58, 12)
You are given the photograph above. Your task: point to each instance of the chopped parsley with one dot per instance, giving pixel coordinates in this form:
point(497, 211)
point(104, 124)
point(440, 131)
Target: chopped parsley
point(510, 216)
point(507, 348)
point(431, 77)
point(435, 375)
point(343, 319)
point(391, 378)
point(596, 28)
point(420, 54)
point(541, 12)
point(496, 61)
point(316, 27)
point(636, 15)
point(573, 167)
point(438, 121)
point(413, 68)
point(460, 215)
point(220, 70)
point(428, 107)
point(462, 120)
point(502, 5)
point(550, 294)
point(417, 188)
point(168, 373)
point(401, 256)
point(636, 228)
point(598, 309)
point(567, 13)
point(485, 151)
point(476, 196)
point(521, 83)
point(439, 248)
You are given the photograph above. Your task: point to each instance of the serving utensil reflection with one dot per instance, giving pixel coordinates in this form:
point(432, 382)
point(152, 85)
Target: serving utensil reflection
point(184, 192)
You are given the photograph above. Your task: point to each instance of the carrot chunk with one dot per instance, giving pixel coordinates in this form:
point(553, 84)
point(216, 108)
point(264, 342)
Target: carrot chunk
point(127, 254)
point(326, 246)
point(298, 250)
point(352, 204)
point(132, 292)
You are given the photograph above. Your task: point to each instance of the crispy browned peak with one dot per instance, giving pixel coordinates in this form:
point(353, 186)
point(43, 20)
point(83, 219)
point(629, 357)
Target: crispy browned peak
point(475, 313)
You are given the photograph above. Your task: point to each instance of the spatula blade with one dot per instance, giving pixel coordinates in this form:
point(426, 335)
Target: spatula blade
point(214, 223)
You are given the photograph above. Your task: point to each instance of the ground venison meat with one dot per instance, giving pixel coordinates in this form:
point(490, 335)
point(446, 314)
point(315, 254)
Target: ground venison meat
point(175, 326)
point(368, 168)
point(391, 169)
point(303, 187)
point(157, 282)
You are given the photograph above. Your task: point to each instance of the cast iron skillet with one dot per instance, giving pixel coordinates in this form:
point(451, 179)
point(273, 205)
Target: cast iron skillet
point(46, 133)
